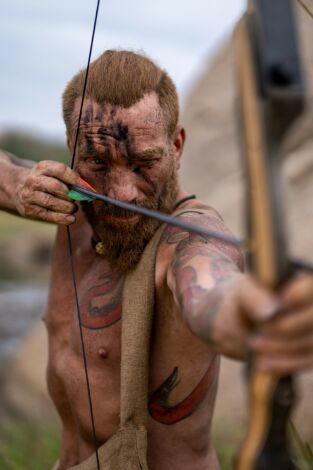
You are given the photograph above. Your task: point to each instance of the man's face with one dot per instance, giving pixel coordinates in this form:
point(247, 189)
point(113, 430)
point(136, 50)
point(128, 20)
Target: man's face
point(126, 154)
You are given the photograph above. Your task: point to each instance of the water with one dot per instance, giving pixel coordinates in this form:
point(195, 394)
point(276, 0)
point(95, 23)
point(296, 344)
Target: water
point(21, 305)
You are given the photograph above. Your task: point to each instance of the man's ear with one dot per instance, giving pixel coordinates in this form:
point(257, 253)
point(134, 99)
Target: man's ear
point(69, 143)
point(178, 143)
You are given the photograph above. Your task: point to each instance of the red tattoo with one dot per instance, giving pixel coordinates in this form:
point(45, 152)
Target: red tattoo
point(166, 414)
point(101, 305)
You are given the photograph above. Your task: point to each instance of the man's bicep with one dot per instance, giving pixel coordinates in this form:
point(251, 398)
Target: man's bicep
point(199, 266)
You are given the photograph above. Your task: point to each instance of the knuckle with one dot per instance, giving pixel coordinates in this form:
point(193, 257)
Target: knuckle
point(48, 200)
point(73, 208)
point(60, 219)
point(28, 181)
point(36, 211)
point(25, 194)
point(63, 168)
point(29, 211)
point(42, 165)
point(66, 208)
point(41, 214)
point(31, 183)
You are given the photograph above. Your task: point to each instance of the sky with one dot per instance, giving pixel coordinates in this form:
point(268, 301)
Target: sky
point(43, 43)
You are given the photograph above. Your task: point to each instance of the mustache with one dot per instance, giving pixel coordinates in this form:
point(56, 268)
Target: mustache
point(101, 209)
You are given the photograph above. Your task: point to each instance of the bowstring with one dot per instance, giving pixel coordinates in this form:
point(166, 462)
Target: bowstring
point(70, 246)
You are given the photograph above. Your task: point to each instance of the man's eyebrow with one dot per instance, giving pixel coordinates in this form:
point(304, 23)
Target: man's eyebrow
point(150, 154)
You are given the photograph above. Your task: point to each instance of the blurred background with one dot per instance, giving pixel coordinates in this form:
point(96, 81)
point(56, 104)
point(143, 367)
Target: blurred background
point(43, 44)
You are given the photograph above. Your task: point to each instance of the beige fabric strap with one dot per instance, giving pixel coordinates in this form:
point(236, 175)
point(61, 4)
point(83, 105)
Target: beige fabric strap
point(125, 450)
point(138, 305)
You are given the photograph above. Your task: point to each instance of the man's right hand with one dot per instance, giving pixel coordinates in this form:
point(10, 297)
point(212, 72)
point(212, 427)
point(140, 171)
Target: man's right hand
point(41, 193)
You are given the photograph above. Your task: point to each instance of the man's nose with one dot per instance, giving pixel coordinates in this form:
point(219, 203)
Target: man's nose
point(123, 186)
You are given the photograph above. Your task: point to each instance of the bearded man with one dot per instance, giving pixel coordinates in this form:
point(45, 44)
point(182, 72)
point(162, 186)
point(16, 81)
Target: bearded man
point(129, 147)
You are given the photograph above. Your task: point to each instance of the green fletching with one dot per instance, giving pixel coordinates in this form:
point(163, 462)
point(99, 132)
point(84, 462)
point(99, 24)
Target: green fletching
point(76, 196)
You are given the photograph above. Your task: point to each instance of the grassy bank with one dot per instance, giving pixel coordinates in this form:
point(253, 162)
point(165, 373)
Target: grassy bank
point(29, 446)
point(25, 248)
point(26, 446)
point(32, 147)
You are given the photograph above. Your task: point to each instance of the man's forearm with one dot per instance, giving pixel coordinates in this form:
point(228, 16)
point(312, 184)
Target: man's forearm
point(13, 171)
point(203, 278)
point(212, 315)
point(38, 191)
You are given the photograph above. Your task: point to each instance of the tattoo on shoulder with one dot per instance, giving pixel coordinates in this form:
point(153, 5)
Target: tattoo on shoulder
point(175, 235)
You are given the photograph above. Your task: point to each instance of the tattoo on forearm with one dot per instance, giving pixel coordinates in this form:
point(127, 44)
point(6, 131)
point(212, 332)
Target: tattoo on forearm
point(164, 413)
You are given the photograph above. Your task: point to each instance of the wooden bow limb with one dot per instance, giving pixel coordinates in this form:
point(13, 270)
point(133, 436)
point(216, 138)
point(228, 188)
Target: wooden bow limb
point(271, 98)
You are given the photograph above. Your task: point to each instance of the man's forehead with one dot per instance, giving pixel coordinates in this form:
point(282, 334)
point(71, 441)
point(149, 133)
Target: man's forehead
point(146, 112)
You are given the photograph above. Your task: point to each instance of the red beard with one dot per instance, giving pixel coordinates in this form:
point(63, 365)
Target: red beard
point(123, 234)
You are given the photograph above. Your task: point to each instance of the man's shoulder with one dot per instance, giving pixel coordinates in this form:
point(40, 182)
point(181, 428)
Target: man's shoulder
point(197, 207)
point(200, 213)
point(177, 241)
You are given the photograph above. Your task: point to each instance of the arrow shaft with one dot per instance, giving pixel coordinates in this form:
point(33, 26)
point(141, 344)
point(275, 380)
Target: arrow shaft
point(164, 218)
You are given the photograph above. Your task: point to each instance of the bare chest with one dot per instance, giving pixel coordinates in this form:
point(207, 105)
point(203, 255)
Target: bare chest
point(183, 372)
point(96, 305)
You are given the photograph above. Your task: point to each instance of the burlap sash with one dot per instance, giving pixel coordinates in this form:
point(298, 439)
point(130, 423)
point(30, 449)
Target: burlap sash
point(127, 448)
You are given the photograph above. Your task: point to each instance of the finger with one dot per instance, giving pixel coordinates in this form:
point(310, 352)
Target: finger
point(262, 345)
point(257, 303)
point(51, 185)
point(58, 170)
point(47, 201)
point(291, 325)
point(41, 213)
point(283, 365)
point(299, 291)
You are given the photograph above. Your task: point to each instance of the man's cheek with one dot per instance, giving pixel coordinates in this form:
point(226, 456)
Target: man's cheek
point(98, 180)
point(85, 173)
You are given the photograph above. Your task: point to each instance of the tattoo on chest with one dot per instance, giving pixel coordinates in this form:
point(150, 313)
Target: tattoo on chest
point(101, 305)
point(161, 411)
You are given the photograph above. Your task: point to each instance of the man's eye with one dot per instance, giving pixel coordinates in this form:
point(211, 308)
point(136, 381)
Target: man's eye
point(97, 161)
point(143, 166)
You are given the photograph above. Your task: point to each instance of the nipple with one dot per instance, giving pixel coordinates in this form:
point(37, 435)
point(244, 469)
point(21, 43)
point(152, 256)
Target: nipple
point(103, 352)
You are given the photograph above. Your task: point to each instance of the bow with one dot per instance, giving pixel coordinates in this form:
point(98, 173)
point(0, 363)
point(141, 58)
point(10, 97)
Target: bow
point(272, 95)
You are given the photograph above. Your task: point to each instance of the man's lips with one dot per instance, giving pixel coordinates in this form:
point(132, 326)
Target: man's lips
point(109, 218)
